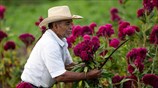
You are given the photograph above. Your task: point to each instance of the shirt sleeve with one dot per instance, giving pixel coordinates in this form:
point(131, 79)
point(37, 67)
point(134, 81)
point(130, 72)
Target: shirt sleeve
point(69, 58)
point(53, 60)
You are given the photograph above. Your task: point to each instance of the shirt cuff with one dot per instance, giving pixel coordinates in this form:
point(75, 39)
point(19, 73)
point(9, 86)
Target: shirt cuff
point(57, 73)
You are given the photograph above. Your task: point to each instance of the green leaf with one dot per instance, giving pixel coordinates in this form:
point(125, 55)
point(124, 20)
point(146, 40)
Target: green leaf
point(125, 80)
point(91, 65)
point(80, 84)
point(86, 84)
point(75, 85)
point(106, 74)
point(85, 69)
point(110, 82)
point(76, 68)
point(79, 69)
point(121, 86)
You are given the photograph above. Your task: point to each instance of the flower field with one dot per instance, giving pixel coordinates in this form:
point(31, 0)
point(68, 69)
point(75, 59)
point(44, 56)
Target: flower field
point(120, 37)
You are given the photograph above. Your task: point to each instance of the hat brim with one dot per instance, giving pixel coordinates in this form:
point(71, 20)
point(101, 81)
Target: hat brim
point(48, 20)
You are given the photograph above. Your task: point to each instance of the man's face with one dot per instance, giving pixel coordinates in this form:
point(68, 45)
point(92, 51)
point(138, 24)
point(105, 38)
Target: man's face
point(64, 28)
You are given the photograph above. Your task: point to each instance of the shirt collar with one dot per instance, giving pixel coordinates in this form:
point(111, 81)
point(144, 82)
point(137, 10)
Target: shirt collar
point(60, 41)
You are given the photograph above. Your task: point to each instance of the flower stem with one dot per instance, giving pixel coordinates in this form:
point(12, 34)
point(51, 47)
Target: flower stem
point(1, 51)
point(11, 56)
point(152, 71)
point(106, 59)
point(139, 83)
point(107, 40)
point(144, 35)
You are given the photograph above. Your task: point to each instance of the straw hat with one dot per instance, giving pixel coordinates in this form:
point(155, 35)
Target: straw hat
point(58, 13)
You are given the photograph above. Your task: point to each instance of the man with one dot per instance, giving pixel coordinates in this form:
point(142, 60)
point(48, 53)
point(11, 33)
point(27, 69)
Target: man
point(50, 57)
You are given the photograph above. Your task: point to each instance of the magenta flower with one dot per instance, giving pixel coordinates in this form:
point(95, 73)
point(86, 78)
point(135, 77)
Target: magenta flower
point(43, 29)
point(115, 17)
point(95, 43)
point(154, 35)
point(114, 14)
point(114, 11)
point(106, 31)
point(114, 43)
point(140, 67)
point(86, 38)
point(136, 56)
point(120, 1)
point(108, 26)
point(142, 52)
point(148, 6)
point(139, 64)
point(150, 79)
point(129, 31)
point(121, 36)
point(130, 69)
point(10, 45)
point(77, 49)
point(40, 19)
point(24, 85)
point(138, 61)
point(69, 44)
point(126, 29)
point(86, 30)
point(137, 53)
point(101, 31)
point(131, 55)
point(155, 3)
point(136, 28)
point(2, 35)
point(70, 40)
point(84, 56)
point(92, 26)
point(95, 40)
point(109, 30)
point(122, 25)
point(2, 11)
point(117, 79)
point(133, 77)
point(27, 39)
point(83, 50)
point(76, 31)
point(37, 23)
point(140, 12)
point(130, 83)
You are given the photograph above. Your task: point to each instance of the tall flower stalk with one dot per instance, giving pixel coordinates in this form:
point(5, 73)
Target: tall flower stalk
point(154, 60)
point(106, 59)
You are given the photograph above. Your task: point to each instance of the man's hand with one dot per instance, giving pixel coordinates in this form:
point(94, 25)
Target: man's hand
point(70, 66)
point(93, 74)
